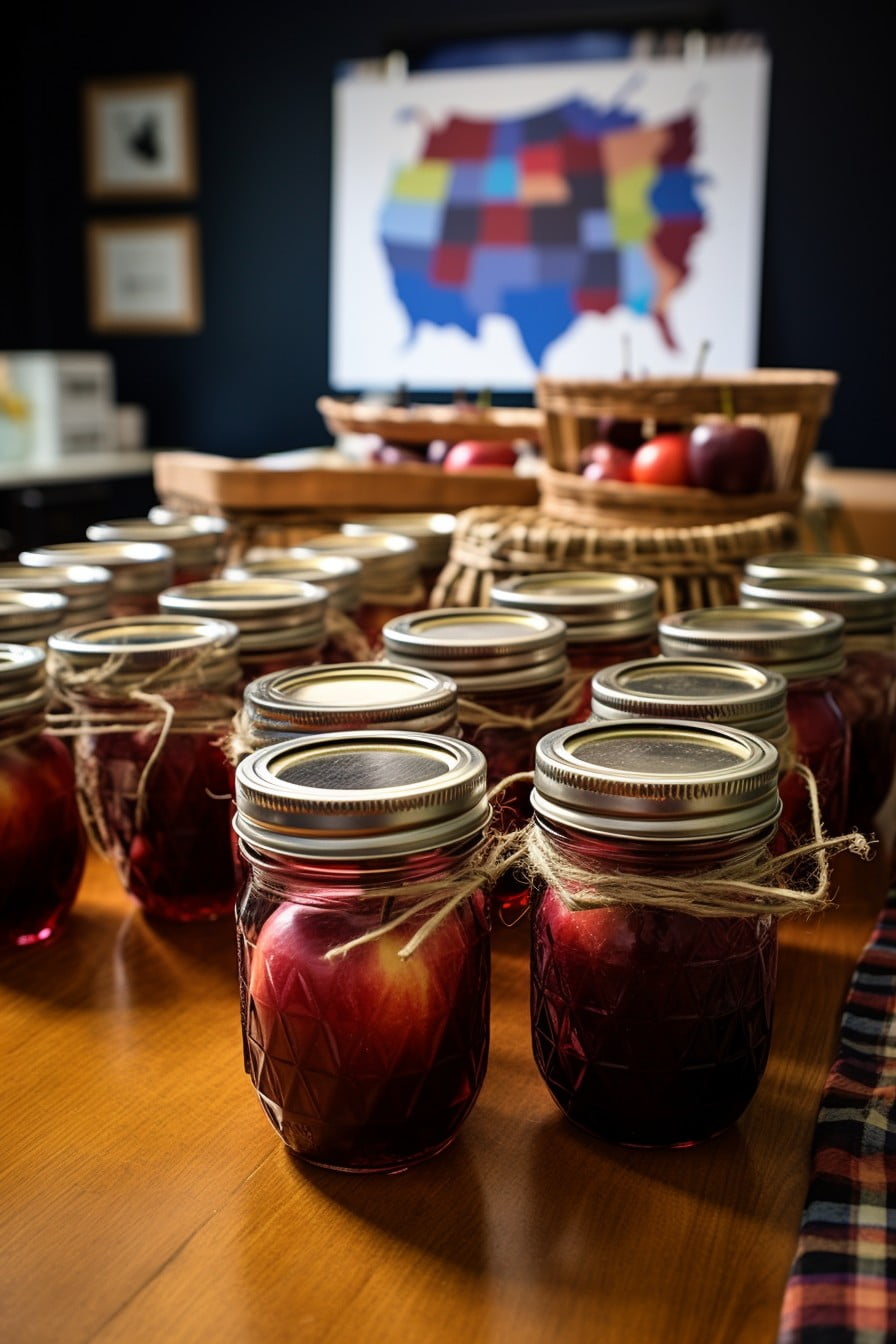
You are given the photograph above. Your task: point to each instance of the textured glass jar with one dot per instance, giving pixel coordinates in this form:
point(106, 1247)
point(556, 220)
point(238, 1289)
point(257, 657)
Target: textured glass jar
point(338, 575)
point(30, 618)
point(157, 792)
point(432, 533)
point(281, 622)
point(342, 697)
point(390, 575)
point(140, 569)
point(609, 618)
point(806, 647)
point(866, 689)
point(367, 1059)
point(87, 587)
point(198, 542)
point(42, 842)
point(651, 1026)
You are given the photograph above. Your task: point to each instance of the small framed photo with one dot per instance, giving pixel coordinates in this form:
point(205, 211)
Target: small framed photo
point(143, 275)
point(140, 138)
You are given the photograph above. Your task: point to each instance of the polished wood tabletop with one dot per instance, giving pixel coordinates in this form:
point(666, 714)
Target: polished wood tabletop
point(144, 1196)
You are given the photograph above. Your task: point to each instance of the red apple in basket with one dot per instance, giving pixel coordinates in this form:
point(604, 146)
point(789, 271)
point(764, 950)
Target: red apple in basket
point(663, 460)
point(604, 462)
point(730, 458)
point(474, 454)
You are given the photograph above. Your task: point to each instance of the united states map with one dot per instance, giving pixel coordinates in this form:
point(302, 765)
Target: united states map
point(575, 209)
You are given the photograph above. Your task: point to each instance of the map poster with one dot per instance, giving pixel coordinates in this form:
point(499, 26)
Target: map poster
point(492, 224)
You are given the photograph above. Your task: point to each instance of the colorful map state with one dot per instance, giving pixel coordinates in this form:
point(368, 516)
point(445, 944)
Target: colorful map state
point(572, 210)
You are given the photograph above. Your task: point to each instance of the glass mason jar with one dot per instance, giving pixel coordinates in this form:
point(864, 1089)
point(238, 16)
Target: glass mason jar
point(390, 575)
point(347, 696)
point(198, 542)
point(366, 1055)
point(149, 699)
point(806, 647)
point(42, 842)
point(338, 575)
point(30, 618)
point(610, 618)
point(140, 569)
point(281, 622)
point(432, 533)
point(87, 587)
point(866, 689)
point(651, 1026)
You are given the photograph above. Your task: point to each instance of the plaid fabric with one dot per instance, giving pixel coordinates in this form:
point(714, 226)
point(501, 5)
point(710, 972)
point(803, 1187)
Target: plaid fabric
point(842, 1285)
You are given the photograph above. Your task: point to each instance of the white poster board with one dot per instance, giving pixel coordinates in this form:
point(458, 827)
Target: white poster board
point(491, 224)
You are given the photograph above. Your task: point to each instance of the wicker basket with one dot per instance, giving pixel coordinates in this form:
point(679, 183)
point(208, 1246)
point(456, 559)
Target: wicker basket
point(789, 404)
point(693, 566)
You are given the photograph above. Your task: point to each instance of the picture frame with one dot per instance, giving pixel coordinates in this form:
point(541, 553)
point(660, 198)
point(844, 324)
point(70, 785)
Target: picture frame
point(140, 138)
point(143, 275)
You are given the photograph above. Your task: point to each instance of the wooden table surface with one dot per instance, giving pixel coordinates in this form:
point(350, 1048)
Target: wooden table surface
point(144, 1197)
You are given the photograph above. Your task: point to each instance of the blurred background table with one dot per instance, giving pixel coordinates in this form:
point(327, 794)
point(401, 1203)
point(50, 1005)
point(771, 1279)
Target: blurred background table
point(144, 1196)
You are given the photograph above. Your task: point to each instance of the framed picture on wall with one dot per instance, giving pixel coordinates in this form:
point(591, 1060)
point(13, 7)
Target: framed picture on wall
point(143, 275)
point(140, 137)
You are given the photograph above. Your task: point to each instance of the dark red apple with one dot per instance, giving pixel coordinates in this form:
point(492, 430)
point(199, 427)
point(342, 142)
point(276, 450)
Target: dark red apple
point(474, 454)
point(730, 458)
point(621, 433)
point(603, 462)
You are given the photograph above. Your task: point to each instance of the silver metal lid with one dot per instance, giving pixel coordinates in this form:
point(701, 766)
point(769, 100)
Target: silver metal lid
point(802, 562)
point(479, 647)
point(753, 699)
point(431, 531)
point(795, 641)
point(136, 646)
point(595, 605)
point(23, 689)
point(361, 794)
point(340, 575)
point(656, 779)
point(866, 603)
point(388, 561)
point(199, 538)
point(269, 613)
point(87, 587)
point(29, 618)
point(340, 696)
point(135, 566)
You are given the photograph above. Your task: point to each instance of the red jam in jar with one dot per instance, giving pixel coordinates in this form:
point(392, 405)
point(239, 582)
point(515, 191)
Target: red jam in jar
point(609, 618)
point(198, 542)
point(365, 1057)
point(651, 1026)
point(338, 575)
point(866, 688)
point(340, 697)
point(42, 842)
point(150, 700)
point(391, 584)
point(806, 647)
point(281, 622)
point(140, 569)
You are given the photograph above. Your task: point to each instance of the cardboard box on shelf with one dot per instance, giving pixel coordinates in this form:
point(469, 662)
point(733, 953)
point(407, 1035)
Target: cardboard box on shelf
point(71, 402)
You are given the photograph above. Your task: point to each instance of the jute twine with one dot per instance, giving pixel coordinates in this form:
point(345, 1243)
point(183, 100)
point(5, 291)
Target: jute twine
point(32, 727)
point(342, 630)
point(477, 716)
point(747, 887)
point(99, 702)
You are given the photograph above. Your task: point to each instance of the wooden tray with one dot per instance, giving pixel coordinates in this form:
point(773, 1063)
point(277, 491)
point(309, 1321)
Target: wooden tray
point(422, 424)
point(201, 482)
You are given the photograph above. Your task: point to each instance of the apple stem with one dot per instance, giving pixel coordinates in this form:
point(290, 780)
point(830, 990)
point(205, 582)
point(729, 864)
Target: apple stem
point(702, 355)
point(484, 400)
point(726, 397)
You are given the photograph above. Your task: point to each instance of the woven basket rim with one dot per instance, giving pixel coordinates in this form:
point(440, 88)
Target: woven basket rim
point(625, 496)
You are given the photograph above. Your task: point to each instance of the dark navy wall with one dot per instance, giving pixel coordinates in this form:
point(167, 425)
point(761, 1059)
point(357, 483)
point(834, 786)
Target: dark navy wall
point(247, 383)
